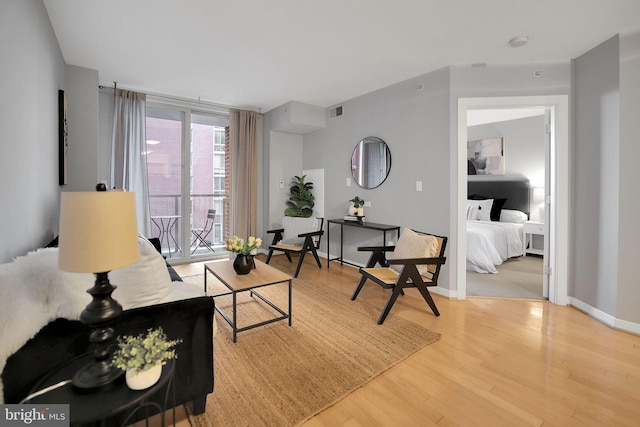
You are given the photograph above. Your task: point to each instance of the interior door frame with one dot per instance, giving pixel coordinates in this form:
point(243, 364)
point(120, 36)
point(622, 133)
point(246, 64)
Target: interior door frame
point(557, 212)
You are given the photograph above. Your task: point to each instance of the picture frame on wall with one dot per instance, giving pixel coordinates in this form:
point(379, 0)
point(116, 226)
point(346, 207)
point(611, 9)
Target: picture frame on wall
point(486, 157)
point(63, 139)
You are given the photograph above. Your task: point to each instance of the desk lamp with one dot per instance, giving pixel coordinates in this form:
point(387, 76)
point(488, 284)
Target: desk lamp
point(98, 233)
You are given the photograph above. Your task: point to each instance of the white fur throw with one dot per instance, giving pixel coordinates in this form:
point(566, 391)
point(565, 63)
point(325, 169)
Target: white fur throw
point(34, 291)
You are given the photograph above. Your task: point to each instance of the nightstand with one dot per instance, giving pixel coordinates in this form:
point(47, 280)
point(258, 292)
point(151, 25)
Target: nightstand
point(533, 228)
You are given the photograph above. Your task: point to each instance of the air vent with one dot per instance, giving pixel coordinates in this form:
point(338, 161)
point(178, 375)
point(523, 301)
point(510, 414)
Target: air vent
point(335, 112)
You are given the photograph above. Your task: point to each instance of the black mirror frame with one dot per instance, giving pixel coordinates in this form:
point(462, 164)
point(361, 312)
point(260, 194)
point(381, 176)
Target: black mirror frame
point(388, 156)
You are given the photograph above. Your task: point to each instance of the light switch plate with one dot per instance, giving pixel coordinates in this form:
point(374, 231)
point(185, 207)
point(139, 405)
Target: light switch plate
point(418, 185)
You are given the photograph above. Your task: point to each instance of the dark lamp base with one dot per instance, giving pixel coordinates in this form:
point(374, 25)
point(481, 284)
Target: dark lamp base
point(95, 377)
point(101, 312)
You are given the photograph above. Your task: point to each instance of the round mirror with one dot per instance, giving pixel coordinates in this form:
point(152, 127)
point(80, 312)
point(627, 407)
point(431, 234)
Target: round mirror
point(370, 162)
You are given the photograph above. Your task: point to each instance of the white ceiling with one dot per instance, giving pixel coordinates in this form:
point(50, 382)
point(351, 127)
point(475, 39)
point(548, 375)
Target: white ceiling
point(260, 54)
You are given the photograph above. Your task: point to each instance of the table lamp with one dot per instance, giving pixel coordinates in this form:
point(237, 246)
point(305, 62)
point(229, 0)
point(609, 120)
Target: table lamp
point(538, 200)
point(98, 233)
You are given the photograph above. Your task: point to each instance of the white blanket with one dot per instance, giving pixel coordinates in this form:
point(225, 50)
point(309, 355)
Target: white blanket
point(489, 243)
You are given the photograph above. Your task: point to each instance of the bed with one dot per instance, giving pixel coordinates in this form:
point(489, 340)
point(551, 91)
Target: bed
point(497, 208)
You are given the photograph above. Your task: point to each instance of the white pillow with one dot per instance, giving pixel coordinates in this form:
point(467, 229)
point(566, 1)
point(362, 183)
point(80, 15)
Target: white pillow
point(294, 226)
point(510, 215)
point(415, 245)
point(479, 210)
point(146, 282)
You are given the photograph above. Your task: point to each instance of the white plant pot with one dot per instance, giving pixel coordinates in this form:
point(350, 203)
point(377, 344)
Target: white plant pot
point(356, 211)
point(141, 380)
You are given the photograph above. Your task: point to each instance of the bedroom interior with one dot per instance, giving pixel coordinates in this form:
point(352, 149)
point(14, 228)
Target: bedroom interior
point(521, 132)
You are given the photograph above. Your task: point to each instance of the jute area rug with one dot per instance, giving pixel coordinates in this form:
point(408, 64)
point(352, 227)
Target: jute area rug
point(277, 375)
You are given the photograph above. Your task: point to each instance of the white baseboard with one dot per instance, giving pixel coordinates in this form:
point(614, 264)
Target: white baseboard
point(449, 293)
point(605, 318)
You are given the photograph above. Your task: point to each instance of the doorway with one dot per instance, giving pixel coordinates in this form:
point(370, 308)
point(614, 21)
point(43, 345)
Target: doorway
point(556, 193)
point(523, 141)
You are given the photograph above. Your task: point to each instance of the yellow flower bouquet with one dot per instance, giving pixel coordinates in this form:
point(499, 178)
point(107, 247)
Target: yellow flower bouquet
point(239, 246)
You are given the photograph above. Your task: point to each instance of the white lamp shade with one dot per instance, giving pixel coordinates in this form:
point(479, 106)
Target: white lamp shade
point(538, 195)
point(98, 231)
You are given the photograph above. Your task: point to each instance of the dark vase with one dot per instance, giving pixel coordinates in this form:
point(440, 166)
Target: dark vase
point(243, 264)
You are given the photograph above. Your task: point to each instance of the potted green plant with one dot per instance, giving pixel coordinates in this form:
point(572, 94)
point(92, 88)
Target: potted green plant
point(356, 207)
point(142, 357)
point(301, 201)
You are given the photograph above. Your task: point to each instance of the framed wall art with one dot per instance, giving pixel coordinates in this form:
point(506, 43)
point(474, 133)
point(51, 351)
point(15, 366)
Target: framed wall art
point(486, 157)
point(63, 139)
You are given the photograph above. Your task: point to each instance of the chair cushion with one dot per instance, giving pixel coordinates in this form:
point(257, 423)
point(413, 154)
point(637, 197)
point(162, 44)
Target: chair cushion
point(294, 226)
point(415, 245)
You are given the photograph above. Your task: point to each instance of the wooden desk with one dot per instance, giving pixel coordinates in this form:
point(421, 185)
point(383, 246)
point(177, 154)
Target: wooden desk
point(366, 225)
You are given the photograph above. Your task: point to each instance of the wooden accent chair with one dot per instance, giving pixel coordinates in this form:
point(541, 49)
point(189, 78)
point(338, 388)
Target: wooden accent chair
point(299, 236)
point(414, 263)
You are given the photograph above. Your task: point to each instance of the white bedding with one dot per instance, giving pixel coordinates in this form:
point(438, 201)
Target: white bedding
point(489, 243)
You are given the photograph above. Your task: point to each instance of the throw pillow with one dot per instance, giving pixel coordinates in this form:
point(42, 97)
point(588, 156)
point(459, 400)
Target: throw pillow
point(496, 208)
point(479, 210)
point(146, 282)
point(415, 245)
point(294, 226)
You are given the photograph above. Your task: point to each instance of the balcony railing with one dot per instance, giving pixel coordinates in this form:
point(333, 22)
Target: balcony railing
point(166, 214)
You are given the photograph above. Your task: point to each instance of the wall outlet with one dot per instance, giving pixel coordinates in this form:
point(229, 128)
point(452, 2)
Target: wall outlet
point(281, 184)
point(418, 185)
point(367, 204)
point(348, 182)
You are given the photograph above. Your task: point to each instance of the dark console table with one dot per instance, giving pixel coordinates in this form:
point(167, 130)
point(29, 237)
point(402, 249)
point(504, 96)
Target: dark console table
point(367, 225)
point(94, 408)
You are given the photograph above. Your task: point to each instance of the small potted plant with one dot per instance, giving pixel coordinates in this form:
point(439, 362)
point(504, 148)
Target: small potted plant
point(356, 207)
point(142, 357)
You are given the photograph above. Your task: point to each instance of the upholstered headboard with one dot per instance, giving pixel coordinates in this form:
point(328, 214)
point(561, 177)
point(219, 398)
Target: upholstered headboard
point(515, 188)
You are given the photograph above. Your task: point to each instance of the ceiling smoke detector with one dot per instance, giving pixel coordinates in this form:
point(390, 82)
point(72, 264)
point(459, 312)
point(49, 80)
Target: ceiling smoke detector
point(518, 41)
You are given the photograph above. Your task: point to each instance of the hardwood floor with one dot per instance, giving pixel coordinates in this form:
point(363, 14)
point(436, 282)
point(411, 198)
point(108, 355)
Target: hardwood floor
point(499, 363)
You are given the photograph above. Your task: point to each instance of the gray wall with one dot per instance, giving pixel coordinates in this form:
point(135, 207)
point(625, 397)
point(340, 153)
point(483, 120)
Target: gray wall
point(415, 125)
point(596, 178)
point(629, 267)
point(82, 91)
point(524, 145)
point(285, 162)
point(31, 74)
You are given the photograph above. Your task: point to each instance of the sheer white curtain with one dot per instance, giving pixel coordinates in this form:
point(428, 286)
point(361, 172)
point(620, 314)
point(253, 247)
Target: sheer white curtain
point(244, 172)
point(128, 151)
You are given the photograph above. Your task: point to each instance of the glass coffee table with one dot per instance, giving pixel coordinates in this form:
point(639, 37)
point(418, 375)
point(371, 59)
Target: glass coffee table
point(261, 276)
